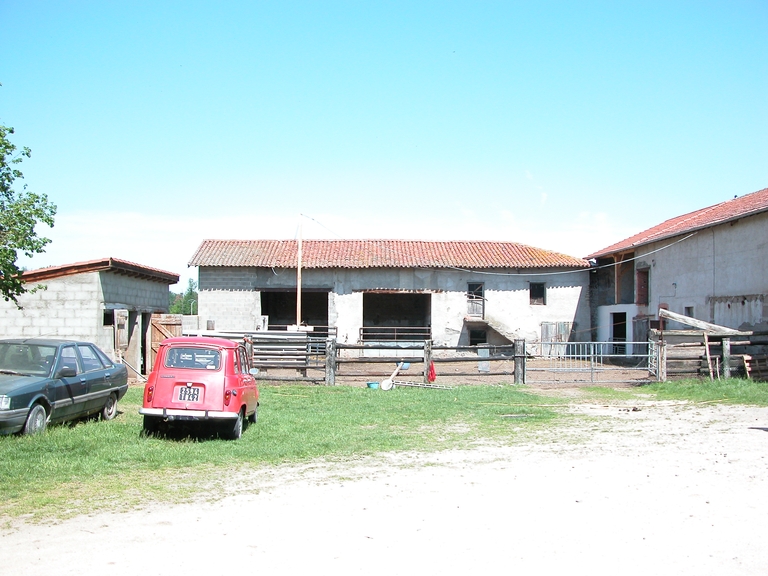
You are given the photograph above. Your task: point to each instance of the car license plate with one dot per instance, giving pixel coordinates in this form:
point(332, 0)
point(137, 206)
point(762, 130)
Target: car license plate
point(189, 394)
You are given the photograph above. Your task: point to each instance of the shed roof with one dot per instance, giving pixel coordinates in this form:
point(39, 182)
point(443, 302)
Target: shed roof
point(734, 209)
point(379, 254)
point(105, 264)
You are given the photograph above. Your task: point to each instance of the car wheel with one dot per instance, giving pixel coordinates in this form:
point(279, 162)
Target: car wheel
point(234, 429)
point(255, 416)
point(110, 408)
point(151, 425)
point(36, 420)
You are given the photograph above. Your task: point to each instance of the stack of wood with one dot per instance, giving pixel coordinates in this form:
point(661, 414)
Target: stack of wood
point(689, 360)
point(756, 366)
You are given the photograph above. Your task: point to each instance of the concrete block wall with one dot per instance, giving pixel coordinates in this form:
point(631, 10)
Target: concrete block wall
point(68, 307)
point(120, 291)
point(227, 297)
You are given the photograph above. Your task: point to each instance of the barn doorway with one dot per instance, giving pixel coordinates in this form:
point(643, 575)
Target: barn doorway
point(396, 316)
point(280, 308)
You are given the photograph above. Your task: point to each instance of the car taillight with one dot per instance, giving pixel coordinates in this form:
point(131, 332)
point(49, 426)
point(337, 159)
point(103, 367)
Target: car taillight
point(227, 397)
point(150, 394)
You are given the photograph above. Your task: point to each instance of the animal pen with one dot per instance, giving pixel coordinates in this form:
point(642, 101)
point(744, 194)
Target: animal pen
point(303, 357)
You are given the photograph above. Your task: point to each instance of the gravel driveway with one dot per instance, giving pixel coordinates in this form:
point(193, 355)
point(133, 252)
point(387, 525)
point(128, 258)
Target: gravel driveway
point(643, 488)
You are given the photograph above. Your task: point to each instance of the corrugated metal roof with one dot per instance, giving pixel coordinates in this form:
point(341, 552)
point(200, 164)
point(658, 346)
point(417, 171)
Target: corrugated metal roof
point(379, 254)
point(729, 210)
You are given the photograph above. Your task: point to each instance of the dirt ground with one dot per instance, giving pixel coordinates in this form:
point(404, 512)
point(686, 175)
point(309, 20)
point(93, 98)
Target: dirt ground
point(642, 488)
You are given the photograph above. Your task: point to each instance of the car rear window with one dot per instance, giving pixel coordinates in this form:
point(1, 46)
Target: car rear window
point(195, 358)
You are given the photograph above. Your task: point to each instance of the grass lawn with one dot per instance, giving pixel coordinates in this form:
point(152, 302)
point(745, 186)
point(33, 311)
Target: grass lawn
point(730, 391)
point(75, 468)
point(91, 465)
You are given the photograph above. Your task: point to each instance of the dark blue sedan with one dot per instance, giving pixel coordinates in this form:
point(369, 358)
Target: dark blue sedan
point(44, 381)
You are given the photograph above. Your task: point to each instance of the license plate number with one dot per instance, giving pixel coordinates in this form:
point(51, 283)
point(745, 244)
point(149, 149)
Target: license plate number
point(189, 394)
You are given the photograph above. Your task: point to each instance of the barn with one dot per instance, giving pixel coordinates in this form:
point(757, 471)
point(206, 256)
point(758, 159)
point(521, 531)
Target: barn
point(452, 292)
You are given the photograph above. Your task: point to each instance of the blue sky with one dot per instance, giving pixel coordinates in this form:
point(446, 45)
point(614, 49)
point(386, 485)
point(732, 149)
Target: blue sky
point(564, 125)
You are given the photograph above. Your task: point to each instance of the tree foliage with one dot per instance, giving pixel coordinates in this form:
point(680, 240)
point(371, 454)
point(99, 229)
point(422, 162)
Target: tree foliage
point(20, 212)
point(185, 303)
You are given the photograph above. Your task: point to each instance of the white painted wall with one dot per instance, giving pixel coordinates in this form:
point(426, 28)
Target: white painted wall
point(230, 296)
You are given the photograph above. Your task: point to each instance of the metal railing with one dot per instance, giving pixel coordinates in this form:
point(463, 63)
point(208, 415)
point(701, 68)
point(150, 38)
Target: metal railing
point(394, 333)
point(616, 361)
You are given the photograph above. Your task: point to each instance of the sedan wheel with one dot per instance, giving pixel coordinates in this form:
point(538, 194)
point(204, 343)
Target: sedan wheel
point(110, 408)
point(36, 421)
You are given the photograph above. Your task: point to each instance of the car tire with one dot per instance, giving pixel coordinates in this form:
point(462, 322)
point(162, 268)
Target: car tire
point(151, 425)
point(234, 430)
point(255, 416)
point(37, 419)
point(110, 408)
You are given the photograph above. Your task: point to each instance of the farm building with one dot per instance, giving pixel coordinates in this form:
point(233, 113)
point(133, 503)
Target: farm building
point(708, 265)
point(454, 293)
point(108, 302)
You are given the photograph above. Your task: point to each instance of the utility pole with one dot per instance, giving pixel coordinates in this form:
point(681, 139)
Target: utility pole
point(298, 279)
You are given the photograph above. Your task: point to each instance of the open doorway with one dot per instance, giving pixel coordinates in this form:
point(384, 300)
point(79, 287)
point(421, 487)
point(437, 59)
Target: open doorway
point(396, 316)
point(280, 307)
point(619, 332)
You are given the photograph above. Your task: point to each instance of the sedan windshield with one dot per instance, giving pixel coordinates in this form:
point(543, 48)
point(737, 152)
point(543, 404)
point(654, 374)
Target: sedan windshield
point(26, 359)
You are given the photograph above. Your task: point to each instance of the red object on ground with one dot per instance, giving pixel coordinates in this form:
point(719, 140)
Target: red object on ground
point(431, 375)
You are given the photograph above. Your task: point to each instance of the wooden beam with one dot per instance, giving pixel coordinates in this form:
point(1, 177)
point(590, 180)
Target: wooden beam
point(700, 324)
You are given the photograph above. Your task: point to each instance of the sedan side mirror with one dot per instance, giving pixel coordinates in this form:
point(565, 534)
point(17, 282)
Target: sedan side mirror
point(66, 372)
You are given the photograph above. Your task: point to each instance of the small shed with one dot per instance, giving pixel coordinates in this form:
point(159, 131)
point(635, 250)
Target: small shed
point(109, 302)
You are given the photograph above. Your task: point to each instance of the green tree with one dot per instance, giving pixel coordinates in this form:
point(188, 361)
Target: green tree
point(20, 212)
point(184, 303)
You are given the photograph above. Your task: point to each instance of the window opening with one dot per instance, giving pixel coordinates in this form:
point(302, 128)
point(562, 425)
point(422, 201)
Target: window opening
point(641, 294)
point(475, 299)
point(538, 293)
point(477, 337)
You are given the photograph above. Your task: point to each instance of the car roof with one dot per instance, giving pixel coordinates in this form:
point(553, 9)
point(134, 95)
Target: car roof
point(42, 341)
point(199, 341)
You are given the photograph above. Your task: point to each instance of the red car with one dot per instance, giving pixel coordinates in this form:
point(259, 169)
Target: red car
point(198, 380)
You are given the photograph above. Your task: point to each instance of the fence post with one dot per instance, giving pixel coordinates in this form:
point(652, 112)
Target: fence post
point(427, 359)
point(519, 361)
point(726, 357)
point(330, 362)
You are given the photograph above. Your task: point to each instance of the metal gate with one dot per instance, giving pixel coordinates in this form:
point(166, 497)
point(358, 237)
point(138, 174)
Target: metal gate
point(594, 362)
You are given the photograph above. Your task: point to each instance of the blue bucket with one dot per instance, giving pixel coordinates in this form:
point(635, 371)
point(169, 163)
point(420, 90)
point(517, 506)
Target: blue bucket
point(373, 385)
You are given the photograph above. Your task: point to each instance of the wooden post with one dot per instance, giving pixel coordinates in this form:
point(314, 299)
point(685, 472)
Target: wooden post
point(726, 357)
point(427, 359)
point(519, 361)
point(330, 362)
point(299, 258)
point(709, 358)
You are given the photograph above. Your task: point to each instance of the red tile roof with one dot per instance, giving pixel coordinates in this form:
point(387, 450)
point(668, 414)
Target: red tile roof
point(111, 264)
point(379, 254)
point(727, 211)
